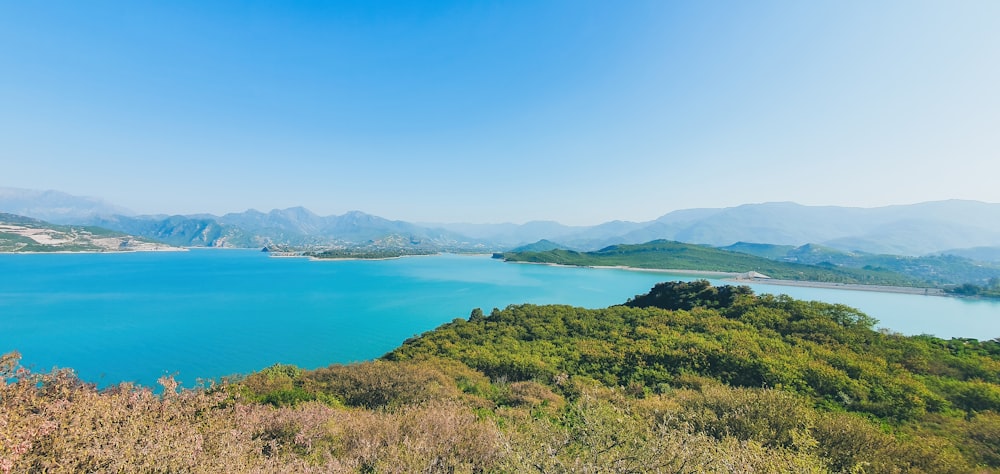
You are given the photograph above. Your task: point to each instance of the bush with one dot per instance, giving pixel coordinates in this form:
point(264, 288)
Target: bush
point(382, 384)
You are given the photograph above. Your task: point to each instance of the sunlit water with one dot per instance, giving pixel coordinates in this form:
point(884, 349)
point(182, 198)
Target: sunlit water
point(210, 313)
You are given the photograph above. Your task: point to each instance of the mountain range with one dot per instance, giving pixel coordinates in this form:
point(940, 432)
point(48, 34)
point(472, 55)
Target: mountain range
point(55, 206)
point(966, 228)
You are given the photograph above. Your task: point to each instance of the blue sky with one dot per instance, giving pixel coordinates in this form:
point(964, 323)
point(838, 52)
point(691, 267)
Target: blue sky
point(575, 111)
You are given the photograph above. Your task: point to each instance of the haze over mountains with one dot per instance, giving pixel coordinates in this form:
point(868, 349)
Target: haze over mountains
point(968, 228)
point(54, 206)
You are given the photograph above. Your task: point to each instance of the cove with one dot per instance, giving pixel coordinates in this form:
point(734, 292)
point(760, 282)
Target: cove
point(204, 314)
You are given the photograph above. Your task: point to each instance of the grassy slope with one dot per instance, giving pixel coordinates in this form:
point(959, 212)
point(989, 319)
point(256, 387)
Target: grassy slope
point(675, 255)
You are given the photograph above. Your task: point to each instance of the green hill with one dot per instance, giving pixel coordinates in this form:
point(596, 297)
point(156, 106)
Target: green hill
point(938, 270)
point(771, 251)
point(664, 254)
point(693, 335)
point(540, 246)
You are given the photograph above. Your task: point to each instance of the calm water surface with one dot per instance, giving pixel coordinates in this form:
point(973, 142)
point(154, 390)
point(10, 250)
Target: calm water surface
point(210, 313)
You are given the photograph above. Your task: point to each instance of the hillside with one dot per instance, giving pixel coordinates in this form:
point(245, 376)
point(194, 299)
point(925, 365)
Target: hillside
point(982, 254)
point(663, 254)
point(722, 381)
point(24, 234)
point(540, 246)
point(694, 335)
point(933, 269)
point(295, 227)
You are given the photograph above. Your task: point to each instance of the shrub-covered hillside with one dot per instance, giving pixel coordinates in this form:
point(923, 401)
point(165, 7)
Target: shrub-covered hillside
point(826, 352)
point(689, 378)
point(665, 254)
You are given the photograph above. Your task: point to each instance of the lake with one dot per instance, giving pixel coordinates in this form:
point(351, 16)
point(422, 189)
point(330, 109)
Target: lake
point(209, 313)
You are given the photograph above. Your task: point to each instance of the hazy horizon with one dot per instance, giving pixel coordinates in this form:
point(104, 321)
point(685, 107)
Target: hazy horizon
point(125, 210)
point(458, 112)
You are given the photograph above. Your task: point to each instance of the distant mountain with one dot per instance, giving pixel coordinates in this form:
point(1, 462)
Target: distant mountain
point(774, 252)
point(55, 206)
point(933, 269)
point(24, 234)
point(295, 227)
point(510, 235)
point(298, 224)
point(982, 254)
point(776, 223)
point(918, 237)
point(357, 226)
point(181, 231)
point(294, 220)
point(917, 229)
point(540, 246)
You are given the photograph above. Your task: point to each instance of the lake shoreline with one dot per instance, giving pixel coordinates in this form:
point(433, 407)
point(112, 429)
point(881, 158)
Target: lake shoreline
point(212, 312)
point(96, 252)
point(734, 278)
point(909, 290)
point(635, 269)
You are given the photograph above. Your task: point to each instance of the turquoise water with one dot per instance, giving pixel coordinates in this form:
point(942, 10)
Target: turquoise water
point(210, 313)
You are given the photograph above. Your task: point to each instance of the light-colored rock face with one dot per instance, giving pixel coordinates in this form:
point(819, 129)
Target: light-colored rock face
point(19, 238)
point(41, 236)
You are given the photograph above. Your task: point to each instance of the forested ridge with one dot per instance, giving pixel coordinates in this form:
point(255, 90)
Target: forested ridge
point(686, 378)
point(665, 254)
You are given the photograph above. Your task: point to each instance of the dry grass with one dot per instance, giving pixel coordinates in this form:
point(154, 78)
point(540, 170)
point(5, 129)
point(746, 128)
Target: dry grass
point(54, 423)
point(409, 417)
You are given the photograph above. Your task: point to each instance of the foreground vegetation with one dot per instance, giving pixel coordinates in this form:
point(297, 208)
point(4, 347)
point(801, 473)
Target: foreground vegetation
point(688, 378)
point(665, 254)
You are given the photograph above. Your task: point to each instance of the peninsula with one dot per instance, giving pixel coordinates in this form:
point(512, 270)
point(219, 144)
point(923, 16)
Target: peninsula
point(19, 234)
point(670, 255)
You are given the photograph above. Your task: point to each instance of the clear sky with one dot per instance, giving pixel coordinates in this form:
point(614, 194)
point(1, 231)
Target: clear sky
point(576, 111)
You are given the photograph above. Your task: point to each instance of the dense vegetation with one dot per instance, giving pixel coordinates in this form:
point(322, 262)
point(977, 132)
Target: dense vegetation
point(991, 289)
point(679, 256)
point(938, 270)
point(688, 378)
point(370, 253)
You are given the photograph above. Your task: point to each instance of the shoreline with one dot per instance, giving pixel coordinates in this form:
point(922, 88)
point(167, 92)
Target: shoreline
point(909, 290)
point(673, 271)
point(732, 277)
point(63, 252)
point(320, 259)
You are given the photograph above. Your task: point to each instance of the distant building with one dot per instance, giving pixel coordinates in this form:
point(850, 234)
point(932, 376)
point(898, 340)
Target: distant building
point(752, 275)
